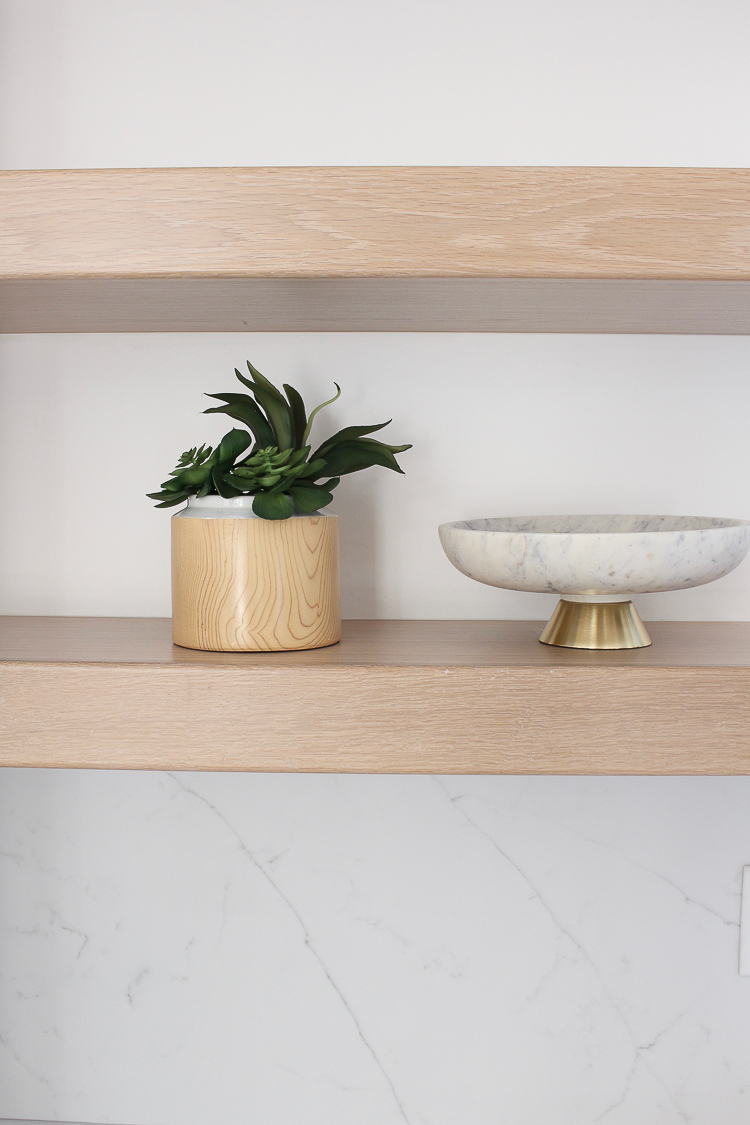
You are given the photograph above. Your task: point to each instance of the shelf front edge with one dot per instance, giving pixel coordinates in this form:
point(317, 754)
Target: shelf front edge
point(491, 222)
point(378, 719)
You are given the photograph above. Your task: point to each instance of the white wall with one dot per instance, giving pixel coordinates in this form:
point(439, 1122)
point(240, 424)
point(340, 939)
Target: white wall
point(151, 83)
point(186, 949)
point(501, 425)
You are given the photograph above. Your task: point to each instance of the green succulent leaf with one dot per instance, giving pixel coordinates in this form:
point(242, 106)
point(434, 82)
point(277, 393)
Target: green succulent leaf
point(308, 427)
point(348, 433)
point(299, 456)
point(221, 486)
point(265, 384)
point(278, 470)
point(385, 451)
point(315, 468)
point(168, 499)
point(294, 472)
point(241, 484)
point(198, 475)
point(244, 409)
point(273, 505)
point(231, 445)
point(280, 419)
point(299, 417)
point(352, 456)
point(172, 485)
point(276, 407)
point(244, 379)
point(309, 499)
point(198, 456)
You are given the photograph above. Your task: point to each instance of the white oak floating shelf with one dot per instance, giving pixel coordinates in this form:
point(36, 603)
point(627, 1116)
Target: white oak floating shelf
point(392, 697)
point(376, 249)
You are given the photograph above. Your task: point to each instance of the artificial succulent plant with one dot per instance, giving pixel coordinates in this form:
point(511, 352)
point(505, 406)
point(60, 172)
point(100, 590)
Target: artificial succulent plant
point(271, 460)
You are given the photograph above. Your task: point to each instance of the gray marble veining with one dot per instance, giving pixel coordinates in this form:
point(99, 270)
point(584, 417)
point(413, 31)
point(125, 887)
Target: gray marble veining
point(322, 950)
point(596, 555)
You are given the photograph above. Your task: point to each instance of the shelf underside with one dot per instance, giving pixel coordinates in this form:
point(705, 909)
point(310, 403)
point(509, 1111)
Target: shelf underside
point(375, 305)
point(378, 249)
point(393, 697)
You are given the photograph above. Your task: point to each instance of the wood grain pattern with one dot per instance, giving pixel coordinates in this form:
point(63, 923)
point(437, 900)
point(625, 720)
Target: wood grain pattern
point(398, 304)
point(658, 223)
point(242, 585)
point(394, 697)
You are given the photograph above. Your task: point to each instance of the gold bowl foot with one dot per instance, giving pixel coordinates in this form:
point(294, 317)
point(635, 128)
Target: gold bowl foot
point(595, 625)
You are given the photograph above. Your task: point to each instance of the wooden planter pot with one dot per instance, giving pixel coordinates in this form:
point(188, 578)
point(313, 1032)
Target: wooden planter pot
point(243, 584)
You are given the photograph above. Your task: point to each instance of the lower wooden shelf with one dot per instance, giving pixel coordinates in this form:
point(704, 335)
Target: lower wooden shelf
point(392, 697)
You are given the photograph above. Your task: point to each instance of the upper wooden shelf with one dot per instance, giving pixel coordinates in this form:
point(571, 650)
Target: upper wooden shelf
point(456, 249)
point(392, 697)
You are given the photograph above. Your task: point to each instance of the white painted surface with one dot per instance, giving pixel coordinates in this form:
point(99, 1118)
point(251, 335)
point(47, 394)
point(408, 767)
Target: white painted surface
point(322, 950)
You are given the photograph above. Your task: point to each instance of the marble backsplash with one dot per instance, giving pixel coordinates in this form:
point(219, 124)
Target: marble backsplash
point(183, 949)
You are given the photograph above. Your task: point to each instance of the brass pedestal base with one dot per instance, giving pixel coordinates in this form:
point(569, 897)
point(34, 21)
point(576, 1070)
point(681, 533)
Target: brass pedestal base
point(595, 625)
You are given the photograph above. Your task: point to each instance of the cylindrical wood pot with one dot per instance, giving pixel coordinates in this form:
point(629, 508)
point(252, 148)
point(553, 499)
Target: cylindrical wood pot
point(243, 584)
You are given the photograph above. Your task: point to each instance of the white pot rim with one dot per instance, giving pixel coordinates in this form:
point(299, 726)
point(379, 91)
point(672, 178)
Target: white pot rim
point(220, 502)
point(235, 507)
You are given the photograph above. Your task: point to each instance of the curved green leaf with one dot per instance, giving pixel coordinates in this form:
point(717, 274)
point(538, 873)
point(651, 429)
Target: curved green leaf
point(242, 484)
point(244, 409)
point(299, 456)
point(259, 381)
point(197, 474)
point(352, 456)
point(314, 468)
point(221, 485)
point(231, 445)
point(171, 498)
point(299, 416)
point(309, 499)
point(280, 417)
point(347, 434)
point(273, 505)
point(264, 384)
point(277, 464)
point(296, 471)
point(275, 405)
point(308, 427)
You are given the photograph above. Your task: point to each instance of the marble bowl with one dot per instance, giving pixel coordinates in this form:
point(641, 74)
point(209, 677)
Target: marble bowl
point(596, 558)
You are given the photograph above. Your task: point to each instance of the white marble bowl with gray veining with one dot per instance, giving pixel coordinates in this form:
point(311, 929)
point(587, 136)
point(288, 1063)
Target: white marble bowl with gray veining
point(596, 556)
